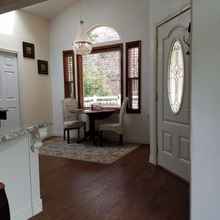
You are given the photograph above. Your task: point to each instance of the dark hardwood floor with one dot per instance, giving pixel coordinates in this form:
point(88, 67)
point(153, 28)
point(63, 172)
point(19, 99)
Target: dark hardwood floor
point(130, 189)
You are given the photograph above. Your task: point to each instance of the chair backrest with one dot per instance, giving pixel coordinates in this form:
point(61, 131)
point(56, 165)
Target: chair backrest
point(69, 105)
point(123, 111)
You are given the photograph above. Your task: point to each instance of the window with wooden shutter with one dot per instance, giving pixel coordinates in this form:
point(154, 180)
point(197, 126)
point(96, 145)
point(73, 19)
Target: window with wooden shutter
point(100, 77)
point(133, 76)
point(69, 74)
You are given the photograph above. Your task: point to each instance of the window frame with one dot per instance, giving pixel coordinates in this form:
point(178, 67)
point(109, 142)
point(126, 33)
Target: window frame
point(104, 42)
point(131, 45)
point(99, 49)
point(69, 53)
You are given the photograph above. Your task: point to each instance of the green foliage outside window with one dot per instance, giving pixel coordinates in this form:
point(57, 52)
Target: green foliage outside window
point(95, 82)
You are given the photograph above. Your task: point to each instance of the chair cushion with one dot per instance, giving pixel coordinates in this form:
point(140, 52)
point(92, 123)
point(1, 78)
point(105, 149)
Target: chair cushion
point(73, 124)
point(111, 127)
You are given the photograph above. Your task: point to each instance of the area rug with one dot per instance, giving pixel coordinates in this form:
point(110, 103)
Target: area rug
point(87, 152)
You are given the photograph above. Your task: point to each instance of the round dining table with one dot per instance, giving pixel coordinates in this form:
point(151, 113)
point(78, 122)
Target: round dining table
point(93, 116)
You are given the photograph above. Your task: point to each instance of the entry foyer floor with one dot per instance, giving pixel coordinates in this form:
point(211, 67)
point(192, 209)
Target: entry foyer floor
point(129, 189)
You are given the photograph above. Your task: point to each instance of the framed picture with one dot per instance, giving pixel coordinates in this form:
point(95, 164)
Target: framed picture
point(28, 50)
point(42, 67)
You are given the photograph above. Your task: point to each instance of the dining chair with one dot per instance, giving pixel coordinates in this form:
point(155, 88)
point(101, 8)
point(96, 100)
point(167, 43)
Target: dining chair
point(71, 118)
point(118, 127)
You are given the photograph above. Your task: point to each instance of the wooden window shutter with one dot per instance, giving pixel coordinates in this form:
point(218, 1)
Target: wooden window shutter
point(133, 76)
point(69, 74)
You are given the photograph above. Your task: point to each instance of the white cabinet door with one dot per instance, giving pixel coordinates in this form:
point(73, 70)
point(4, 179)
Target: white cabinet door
point(174, 96)
point(9, 92)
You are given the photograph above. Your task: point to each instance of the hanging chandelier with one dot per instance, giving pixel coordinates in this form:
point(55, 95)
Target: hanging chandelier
point(82, 45)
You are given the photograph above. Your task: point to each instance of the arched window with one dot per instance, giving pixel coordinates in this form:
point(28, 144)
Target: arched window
point(100, 73)
point(103, 34)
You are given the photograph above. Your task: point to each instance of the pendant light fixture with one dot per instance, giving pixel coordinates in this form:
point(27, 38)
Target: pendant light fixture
point(82, 45)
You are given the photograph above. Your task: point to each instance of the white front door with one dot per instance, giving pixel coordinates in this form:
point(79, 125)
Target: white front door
point(173, 107)
point(9, 89)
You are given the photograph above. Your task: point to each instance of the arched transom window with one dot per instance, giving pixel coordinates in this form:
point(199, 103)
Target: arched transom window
point(103, 34)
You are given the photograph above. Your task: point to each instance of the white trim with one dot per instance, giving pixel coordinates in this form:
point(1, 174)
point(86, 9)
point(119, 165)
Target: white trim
point(37, 206)
point(107, 43)
point(22, 214)
point(177, 13)
point(19, 66)
point(3, 50)
point(153, 103)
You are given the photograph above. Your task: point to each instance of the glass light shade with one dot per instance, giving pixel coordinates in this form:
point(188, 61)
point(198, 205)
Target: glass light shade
point(82, 44)
point(82, 47)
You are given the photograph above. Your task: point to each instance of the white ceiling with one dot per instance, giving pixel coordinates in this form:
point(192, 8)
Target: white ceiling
point(50, 8)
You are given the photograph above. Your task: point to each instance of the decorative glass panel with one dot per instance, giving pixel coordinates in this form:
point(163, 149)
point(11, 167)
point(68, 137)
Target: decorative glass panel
point(103, 34)
point(176, 76)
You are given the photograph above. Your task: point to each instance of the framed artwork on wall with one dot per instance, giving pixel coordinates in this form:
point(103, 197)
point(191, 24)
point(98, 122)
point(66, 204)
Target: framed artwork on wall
point(42, 67)
point(28, 50)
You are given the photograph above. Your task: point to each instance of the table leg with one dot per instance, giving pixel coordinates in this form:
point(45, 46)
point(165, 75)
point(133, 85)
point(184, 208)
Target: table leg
point(68, 136)
point(92, 128)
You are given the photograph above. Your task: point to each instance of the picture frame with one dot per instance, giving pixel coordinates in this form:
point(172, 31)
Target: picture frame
point(43, 67)
point(28, 50)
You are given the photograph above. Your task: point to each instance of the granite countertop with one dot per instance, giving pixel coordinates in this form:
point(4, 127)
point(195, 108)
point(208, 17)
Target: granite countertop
point(11, 134)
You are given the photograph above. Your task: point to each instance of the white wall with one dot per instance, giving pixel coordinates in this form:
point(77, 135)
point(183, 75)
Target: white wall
point(159, 10)
point(205, 198)
point(130, 18)
point(35, 90)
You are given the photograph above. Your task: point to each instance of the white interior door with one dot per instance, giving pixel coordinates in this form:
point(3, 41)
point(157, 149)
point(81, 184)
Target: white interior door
point(9, 93)
point(174, 95)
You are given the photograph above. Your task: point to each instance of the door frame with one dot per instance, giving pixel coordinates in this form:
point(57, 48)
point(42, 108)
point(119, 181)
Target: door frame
point(154, 110)
point(19, 80)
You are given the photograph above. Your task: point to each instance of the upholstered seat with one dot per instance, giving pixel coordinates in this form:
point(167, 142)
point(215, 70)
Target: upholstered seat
point(117, 128)
point(73, 124)
point(71, 115)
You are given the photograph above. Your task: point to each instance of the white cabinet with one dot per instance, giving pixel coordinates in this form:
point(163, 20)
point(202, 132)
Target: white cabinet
point(19, 170)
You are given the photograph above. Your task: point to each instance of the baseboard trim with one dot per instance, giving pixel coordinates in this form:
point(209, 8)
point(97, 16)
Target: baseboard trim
point(22, 214)
point(27, 213)
point(37, 206)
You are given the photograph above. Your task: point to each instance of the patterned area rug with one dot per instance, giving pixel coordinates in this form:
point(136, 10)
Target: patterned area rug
point(86, 151)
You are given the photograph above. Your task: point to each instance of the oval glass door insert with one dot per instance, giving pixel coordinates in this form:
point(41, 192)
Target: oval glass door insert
point(176, 76)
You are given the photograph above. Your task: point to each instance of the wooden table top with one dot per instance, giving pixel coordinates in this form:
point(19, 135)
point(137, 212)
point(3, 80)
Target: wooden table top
point(104, 110)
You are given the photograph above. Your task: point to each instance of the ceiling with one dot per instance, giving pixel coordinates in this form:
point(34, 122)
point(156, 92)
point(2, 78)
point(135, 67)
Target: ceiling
point(8, 5)
point(50, 8)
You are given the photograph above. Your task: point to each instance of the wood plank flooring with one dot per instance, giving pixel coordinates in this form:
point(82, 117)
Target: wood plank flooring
point(130, 189)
